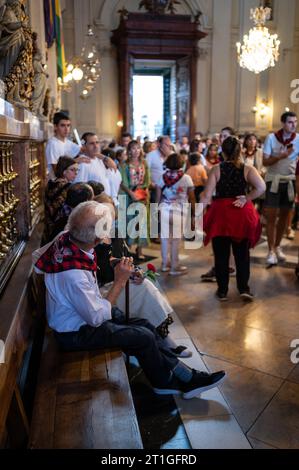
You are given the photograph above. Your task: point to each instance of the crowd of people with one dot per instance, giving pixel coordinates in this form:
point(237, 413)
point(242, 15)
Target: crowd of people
point(241, 184)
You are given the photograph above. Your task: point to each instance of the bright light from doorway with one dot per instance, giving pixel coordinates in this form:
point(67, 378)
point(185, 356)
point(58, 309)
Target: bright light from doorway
point(148, 105)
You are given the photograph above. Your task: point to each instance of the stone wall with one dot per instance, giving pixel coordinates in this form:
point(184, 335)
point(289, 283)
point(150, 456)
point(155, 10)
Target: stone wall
point(225, 92)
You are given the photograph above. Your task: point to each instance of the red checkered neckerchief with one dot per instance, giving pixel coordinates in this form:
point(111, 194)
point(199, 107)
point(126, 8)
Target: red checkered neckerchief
point(285, 142)
point(64, 255)
point(171, 177)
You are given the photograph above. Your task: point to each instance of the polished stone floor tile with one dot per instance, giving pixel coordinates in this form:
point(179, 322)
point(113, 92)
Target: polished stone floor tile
point(247, 391)
point(251, 341)
point(259, 444)
point(279, 423)
point(217, 432)
point(176, 444)
point(294, 375)
point(253, 348)
point(210, 403)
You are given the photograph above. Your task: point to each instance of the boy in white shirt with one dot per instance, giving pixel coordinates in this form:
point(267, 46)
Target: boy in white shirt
point(60, 145)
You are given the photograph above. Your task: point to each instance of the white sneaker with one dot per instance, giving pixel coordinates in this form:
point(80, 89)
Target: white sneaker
point(280, 255)
point(181, 268)
point(272, 258)
point(177, 272)
point(165, 269)
point(291, 234)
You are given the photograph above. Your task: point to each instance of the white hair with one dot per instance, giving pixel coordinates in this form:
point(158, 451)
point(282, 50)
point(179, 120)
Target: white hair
point(89, 221)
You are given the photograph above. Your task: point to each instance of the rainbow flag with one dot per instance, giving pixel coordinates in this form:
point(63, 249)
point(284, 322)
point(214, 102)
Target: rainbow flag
point(61, 66)
point(49, 22)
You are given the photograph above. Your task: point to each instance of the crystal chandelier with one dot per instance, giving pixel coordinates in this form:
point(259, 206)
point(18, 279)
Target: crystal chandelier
point(90, 64)
point(260, 49)
point(85, 68)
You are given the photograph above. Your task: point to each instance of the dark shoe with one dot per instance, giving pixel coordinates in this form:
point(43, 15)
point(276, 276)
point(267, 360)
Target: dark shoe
point(222, 296)
point(247, 296)
point(181, 351)
point(201, 382)
point(210, 276)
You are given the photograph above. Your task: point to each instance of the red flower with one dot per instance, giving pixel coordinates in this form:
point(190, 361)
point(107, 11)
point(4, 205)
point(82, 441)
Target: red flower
point(151, 267)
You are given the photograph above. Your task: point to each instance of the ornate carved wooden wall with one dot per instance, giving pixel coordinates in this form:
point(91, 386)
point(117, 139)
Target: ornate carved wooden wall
point(165, 37)
point(22, 178)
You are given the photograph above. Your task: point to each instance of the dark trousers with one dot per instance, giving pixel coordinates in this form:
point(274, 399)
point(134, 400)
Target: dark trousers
point(137, 338)
point(197, 192)
point(221, 247)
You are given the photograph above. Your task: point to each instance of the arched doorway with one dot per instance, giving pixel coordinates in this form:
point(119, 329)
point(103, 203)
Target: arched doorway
point(143, 37)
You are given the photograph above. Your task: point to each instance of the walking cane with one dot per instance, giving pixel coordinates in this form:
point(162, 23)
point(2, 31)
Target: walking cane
point(113, 263)
point(127, 311)
point(127, 291)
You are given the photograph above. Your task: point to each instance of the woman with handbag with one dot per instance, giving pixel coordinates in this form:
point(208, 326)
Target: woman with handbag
point(135, 185)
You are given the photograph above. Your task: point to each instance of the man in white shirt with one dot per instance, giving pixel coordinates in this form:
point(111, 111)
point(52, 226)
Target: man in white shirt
point(83, 320)
point(100, 168)
point(155, 161)
point(125, 139)
point(60, 145)
point(281, 151)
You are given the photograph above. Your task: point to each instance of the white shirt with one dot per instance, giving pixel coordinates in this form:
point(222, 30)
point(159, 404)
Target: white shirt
point(114, 178)
point(94, 171)
point(203, 160)
point(57, 148)
point(73, 299)
point(155, 162)
point(286, 166)
point(177, 194)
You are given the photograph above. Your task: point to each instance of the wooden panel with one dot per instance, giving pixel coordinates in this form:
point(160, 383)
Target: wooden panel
point(83, 401)
point(17, 422)
point(15, 327)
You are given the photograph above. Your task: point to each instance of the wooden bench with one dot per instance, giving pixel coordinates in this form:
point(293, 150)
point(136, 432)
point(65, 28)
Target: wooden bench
point(83, 401)
point(19, 325)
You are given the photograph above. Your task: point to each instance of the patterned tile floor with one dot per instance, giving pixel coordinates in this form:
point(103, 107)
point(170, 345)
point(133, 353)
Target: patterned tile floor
point(258, 404)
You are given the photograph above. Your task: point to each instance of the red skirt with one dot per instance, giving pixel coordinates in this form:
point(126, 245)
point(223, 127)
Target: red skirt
point(222, 219)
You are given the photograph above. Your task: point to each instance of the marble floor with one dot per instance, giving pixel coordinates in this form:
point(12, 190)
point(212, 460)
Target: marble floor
point(258, 404)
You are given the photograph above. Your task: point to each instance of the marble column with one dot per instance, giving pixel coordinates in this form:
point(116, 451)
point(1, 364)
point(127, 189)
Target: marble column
point(283, 73)
point(246, 83)
point(222, 109)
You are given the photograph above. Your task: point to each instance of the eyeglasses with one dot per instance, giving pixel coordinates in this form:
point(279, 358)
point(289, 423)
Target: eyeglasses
point(75, 170)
